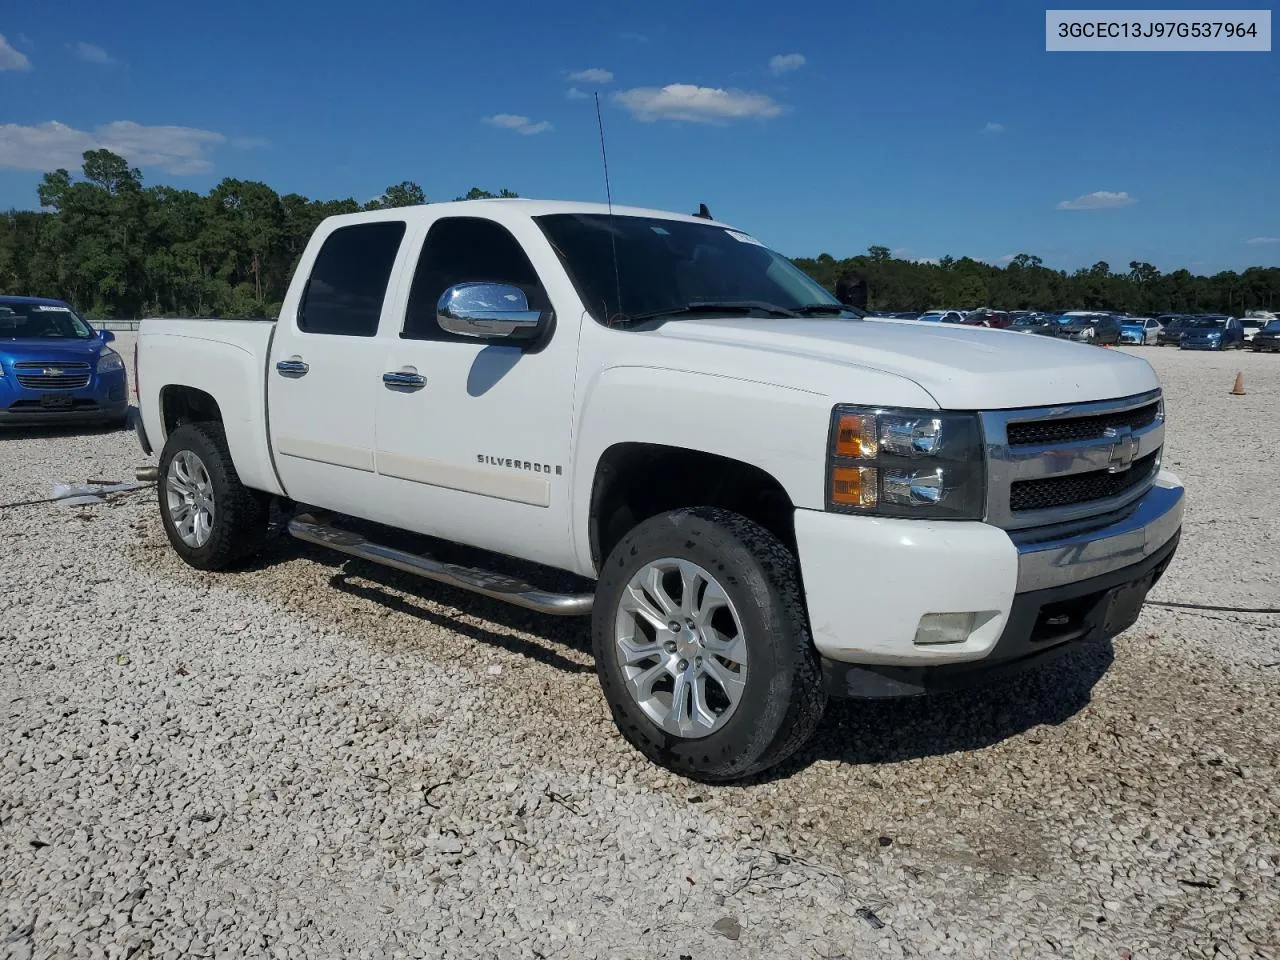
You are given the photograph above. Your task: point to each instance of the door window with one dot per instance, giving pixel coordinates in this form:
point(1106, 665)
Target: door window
point(465, 250)
point(349, 280)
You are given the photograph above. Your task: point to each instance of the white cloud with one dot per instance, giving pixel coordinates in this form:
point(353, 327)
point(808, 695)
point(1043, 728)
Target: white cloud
point(785, 62)
point(512, 121)
point(593, 75)
point(1008, 258)
point(1259, 240)
point(929, 260)
point(1098, 200)
point(11, 59)
point(47, 146)
point(636, 37)
point(573, 93)
point(90, 53)
point(993, 129)
point(685, 101)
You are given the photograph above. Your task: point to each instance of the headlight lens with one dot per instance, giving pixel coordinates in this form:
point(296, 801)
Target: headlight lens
point(906, 463)
point(110, 362)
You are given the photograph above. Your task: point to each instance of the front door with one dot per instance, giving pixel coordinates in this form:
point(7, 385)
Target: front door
point(474, 438)
point(322, 377)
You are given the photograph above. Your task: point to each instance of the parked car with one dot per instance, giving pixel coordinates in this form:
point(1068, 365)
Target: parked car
point(773, 507)
point(1171, 327)
point(941, 316)
point(1142, 331)
point(1255, 320)
point(1082, 326)
point(1036, 323)
point(986, 317)
point(1212, 332)
point(55, 368)
point(1267, 339)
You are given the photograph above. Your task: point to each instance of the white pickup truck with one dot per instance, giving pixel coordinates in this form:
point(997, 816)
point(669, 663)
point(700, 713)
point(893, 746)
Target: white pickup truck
point(770, 499)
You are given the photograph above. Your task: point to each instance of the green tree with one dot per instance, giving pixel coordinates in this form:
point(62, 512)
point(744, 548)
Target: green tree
point(404, 194)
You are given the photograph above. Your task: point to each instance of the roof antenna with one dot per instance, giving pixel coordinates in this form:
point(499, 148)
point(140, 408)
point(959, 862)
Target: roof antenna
point(703, 212)
point(613, 235)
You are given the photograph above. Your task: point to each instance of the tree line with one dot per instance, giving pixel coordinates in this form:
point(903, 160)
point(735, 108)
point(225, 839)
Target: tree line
point(1025, 283)
point(118, 249)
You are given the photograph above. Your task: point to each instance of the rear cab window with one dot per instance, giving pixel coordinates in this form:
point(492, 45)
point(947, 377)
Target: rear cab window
point(348, 282)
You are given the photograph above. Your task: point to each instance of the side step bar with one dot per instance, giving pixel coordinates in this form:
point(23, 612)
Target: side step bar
point(309, 528)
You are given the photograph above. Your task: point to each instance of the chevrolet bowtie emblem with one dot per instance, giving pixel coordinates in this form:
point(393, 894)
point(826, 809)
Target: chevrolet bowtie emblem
point(1123, 446)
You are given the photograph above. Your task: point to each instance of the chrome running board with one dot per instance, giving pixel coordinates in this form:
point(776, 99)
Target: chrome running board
point(310, 529)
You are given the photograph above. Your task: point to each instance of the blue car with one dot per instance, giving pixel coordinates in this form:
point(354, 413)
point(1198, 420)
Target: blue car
point(54, 368)
point(1212, 332)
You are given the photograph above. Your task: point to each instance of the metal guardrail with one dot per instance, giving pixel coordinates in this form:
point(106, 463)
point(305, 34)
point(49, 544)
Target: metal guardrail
point(117, 325)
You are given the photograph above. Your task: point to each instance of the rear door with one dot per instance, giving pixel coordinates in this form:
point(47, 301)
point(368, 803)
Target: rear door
point(325, 361)
point(477, 448)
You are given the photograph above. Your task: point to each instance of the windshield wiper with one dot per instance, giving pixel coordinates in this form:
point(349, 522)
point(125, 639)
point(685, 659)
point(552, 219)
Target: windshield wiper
point(713, 306)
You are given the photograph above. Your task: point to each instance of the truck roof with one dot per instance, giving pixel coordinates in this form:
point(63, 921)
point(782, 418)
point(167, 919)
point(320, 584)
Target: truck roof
point(529, 207)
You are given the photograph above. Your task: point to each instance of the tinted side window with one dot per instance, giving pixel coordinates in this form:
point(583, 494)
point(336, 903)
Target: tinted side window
point(462, 250)
point(349, 280)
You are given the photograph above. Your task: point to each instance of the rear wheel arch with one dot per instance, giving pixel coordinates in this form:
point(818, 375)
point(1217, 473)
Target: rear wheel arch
point(181, 404)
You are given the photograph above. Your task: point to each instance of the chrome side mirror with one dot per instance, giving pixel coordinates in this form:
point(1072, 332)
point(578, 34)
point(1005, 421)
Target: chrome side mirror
point(489, 311)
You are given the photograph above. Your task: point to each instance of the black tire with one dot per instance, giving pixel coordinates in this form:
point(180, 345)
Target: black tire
point(783, 699)
point(240, 516)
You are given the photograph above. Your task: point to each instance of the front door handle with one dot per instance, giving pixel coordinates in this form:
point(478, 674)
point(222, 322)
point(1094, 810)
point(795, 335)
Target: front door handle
point(403, 380)
point(294, 368)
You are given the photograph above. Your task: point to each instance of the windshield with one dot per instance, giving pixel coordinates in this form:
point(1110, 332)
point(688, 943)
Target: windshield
point(1206, 323)
point(38, 321)
point(1272, 327)
point(667, 265)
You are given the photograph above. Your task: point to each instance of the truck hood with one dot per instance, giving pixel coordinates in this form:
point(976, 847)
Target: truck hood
point(962, 368)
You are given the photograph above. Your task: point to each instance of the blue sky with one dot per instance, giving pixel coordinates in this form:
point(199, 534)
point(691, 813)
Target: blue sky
point(931, 128)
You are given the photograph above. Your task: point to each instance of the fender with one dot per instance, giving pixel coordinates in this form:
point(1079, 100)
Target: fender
point(231, 373)
point(780, 430)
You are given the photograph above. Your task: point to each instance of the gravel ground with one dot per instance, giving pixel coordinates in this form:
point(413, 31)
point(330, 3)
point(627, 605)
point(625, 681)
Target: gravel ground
point(314, 758)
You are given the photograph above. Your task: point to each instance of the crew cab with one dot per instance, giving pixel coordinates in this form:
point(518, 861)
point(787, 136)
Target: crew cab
point(766, 499)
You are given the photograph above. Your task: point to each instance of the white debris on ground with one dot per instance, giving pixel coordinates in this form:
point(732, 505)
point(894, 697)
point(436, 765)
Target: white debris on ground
point(312, 758)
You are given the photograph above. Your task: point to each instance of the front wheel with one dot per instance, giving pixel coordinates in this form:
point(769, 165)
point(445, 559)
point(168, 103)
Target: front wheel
point(702, 645)
point(211, 518)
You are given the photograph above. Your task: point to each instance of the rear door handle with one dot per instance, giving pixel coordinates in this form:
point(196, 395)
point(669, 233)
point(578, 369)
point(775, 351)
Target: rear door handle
point(402, 380)
point(292, 368)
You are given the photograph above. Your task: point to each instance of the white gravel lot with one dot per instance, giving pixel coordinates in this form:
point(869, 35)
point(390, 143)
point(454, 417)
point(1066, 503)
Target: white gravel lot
point(313, 758)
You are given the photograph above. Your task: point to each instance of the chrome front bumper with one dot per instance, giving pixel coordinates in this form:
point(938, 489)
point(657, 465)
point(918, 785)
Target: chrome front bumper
point(1152, 522)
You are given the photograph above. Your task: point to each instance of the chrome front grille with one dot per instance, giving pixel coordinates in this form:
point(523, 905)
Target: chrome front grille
point(1077, 488)
point(51, 375)
point(1024, 434)
point(1055, 465)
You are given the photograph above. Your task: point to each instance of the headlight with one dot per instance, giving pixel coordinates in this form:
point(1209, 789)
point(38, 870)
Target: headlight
point(110, 362)
point(906, 463)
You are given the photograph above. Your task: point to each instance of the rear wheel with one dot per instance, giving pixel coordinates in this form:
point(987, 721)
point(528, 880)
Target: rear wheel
point(702, 645)
point(212, 519)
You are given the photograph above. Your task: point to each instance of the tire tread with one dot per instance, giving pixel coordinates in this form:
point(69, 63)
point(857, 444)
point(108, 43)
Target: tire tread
point(240, 525)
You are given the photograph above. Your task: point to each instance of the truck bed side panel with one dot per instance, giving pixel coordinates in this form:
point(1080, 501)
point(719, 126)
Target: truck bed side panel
point(224, 358)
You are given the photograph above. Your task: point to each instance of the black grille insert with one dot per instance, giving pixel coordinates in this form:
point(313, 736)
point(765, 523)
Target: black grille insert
point(1036, 432)
point(1079, 487)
